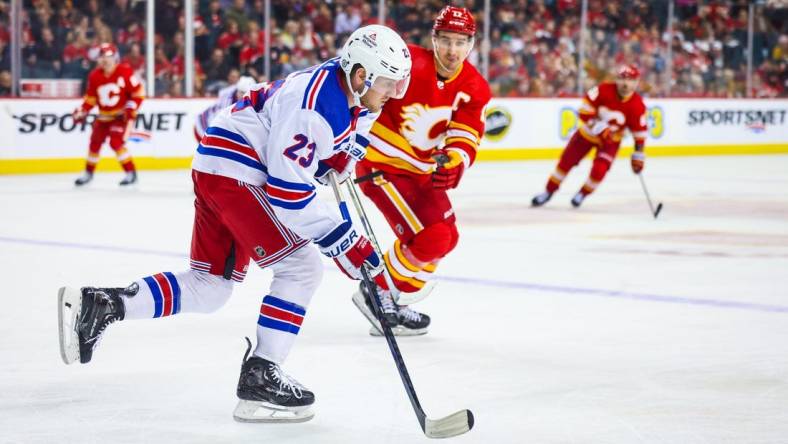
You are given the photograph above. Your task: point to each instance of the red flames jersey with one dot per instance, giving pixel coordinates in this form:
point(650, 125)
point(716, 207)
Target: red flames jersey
point(602, 103)
point(433, 114)
point(113, 93)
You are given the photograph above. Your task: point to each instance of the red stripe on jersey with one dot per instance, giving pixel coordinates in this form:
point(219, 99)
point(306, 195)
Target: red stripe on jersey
point(279, 193)
point(310, 104)
point(166, 293)
point(219, 142)
point(282, 315)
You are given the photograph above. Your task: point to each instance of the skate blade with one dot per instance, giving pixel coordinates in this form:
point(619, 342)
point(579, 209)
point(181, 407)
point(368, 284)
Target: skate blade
point(69, 306)
point(400, 331)
point(259, 411)
point(412, 298)
point(358, 301)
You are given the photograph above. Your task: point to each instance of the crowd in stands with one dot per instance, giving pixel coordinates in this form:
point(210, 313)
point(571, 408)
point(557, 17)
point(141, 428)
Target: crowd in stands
point(534, 45)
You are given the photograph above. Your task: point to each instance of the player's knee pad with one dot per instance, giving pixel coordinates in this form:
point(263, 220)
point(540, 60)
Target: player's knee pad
point(204, 292)
point(297, 276)
point(434, 241)
point(600, 167)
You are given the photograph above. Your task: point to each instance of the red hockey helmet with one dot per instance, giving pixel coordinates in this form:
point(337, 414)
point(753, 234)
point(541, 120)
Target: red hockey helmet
point(628, 72)
point(454, 19)
point(107, 50)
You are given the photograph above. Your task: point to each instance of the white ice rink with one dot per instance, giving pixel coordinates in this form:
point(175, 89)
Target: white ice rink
point(553, 325)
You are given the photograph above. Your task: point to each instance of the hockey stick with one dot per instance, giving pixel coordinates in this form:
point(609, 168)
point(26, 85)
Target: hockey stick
point(452, 425)
point(654, 212)
point(371, 235)
point(367, 177)
point(399, 297)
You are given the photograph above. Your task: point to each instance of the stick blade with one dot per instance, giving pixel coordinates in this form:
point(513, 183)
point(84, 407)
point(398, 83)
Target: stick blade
point(452, 425)
point(659, 208)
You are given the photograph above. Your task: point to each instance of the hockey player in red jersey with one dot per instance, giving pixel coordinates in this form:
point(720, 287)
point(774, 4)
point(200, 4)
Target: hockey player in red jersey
point(607, 111)
point(118, 93)
point(422, 144)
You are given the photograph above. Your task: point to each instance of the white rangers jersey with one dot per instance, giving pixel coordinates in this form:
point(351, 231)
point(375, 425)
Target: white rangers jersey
point(226, 97)
point(275, 136)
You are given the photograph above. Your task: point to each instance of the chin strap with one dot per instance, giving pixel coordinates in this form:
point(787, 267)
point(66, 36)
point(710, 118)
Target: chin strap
point(356, 95)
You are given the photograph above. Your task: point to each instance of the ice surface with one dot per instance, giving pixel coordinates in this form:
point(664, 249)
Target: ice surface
point(553, 325)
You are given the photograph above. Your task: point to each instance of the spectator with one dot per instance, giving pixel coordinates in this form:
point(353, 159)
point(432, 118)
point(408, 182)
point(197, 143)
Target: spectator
point(5, 56)
point(239, 14)
point(347, 21)
point(136, 59)
point(216, 70)
point(48, 53)
point(5, 83)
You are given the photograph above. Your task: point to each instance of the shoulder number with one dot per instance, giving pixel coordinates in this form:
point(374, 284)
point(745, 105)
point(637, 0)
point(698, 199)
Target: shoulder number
point(301, 142)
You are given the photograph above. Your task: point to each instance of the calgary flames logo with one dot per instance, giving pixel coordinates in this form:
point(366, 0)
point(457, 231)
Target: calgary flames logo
point(423, 126)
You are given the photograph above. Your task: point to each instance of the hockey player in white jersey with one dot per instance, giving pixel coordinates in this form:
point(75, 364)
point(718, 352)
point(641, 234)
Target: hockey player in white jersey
point(255, 173)
point(227, 96)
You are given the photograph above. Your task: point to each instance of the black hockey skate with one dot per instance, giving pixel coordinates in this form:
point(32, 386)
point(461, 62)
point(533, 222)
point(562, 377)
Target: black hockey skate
point(577, 200)
point(402, 320)
point(541, 199)
point(129, 179)
point(84, 316)
point(267, 394)
point(413, 320)
point(83, 179)
point(389, 309)
point(409, 323)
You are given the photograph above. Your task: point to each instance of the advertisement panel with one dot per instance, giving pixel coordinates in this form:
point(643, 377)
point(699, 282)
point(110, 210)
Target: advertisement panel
point(40, 135)
point(534, 128)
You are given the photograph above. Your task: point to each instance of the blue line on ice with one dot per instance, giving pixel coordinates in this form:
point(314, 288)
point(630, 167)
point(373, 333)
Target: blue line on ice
point(718, 303)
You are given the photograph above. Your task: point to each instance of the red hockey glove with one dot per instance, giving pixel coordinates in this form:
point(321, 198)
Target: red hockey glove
point(79, 114)
point(350, 251)
point(449, 171)
point(340, 162)
point(638, 161)
point(343, 162)
point(129, 115)
point(604, 130)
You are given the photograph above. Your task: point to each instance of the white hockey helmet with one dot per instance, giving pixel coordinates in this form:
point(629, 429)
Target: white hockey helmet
point(383, 55)
point(244, 84)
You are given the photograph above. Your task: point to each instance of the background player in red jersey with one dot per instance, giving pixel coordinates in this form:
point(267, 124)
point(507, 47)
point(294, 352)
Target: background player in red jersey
point(118, 92)
point(423, 143)
point(607, 111)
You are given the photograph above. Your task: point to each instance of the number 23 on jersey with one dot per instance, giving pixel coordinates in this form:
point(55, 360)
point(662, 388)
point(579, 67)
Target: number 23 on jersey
point(302, 151)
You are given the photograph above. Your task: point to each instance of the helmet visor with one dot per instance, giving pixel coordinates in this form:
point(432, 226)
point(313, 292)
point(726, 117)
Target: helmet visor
point(389, 87)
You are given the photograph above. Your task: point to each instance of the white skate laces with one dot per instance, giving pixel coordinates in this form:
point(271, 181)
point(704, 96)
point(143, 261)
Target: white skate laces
point(409, 314)
point(386, 301)
point(286, 382)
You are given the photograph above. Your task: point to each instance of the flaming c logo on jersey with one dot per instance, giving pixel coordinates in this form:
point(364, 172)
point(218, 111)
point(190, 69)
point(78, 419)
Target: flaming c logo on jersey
point(424, 126)
point(497, 123)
